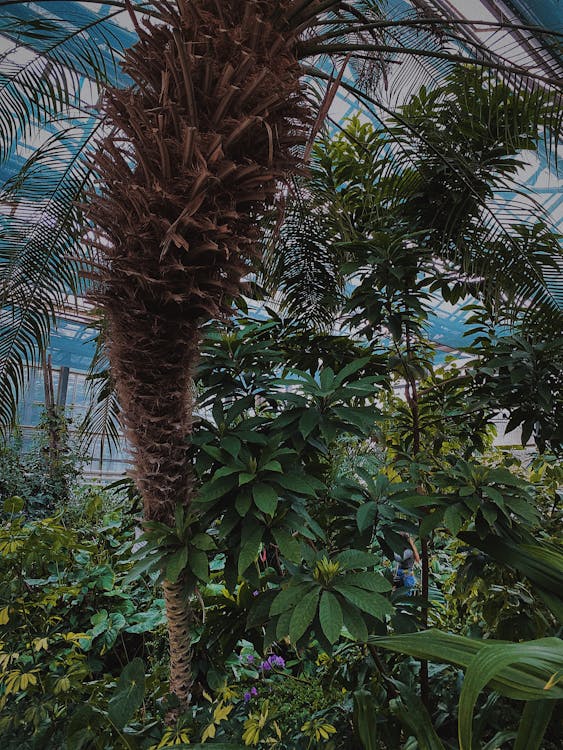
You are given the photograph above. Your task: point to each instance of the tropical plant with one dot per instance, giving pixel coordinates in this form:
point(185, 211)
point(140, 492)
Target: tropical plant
point(211, 117)
point(433, 219)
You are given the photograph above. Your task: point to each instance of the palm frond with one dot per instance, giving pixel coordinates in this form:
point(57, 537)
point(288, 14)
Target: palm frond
point(41, 228)
point(101, 425)
point(299, 267)
point(55, 65)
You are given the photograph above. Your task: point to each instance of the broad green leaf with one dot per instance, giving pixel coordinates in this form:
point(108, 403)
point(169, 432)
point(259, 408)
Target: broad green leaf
point(250, 548)
point(288, 598)
point(226, 471)
point(290, 547)
point(244, 478)
point(295, 483)
point(453, 519)
point(370, 581)
point(490, 661)
point(202, 541)
point(216, 489)
point(176, 563)
point(116, 623)
point(372, 603)
point(489, 512)
point(282, 625)
point(523, 680)
point(330, 616)
point(327, 378)
point(265, 497)
point(144, 622)
point(350, 369)
point(231, 444)
point(494, 494)
point(198, 563)
point(129, 694)
point(145, 565)
point(274, 466)
point(303, 615)
point(365, 515)
point(308, 421)
point(243, 502)
point(354, 622)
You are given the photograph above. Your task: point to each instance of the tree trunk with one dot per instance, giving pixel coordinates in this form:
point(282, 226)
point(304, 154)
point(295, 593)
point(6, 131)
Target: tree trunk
point(198, 147)
point(180, 641)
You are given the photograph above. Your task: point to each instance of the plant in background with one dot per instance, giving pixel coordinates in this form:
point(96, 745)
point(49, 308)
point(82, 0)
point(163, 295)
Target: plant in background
point(193, 149)
point(44, 479)
point(324, 595)
point(68, 626)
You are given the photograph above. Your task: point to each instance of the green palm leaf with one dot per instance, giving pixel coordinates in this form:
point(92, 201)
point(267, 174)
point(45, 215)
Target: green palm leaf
point(44, 73)
point(101, 424)
point(40, 255)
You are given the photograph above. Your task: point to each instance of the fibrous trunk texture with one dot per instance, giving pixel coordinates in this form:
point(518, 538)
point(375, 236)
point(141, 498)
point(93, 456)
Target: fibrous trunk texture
point(198, 147)
point(179, 633)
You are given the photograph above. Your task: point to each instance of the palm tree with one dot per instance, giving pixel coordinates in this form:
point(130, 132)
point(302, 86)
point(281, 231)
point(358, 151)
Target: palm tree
point(216, 108)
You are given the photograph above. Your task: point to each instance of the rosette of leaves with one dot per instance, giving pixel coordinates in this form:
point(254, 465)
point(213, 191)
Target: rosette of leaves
point(256, 489)
point(522, 375)
point(332, 403)
point(493, 498)
point(262, 450)
point(173, 551)
point(468, 495)
point(325, 595)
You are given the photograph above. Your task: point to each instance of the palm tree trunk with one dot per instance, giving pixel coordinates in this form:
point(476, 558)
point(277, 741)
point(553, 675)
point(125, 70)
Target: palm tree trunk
point(180, 641)
point(198, 146)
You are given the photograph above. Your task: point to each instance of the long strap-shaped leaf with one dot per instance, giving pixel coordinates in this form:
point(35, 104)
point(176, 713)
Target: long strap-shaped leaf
point(416, 718)
point(538, 656)
point(533, 723)
point(528, 675)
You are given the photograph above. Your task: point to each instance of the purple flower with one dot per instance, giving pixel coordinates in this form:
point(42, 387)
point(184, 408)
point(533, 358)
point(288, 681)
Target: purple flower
point(250, 658)
point(255, 593)
point(252, 693)
point(272, 661)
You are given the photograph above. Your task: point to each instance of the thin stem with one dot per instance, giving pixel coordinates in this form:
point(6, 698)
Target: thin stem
point(312, 49)
point(494, 25)
point(411, 392)
point(424, 682)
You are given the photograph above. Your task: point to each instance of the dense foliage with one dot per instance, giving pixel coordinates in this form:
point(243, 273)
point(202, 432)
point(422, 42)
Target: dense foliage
point(288, 478)
point(301, 506)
